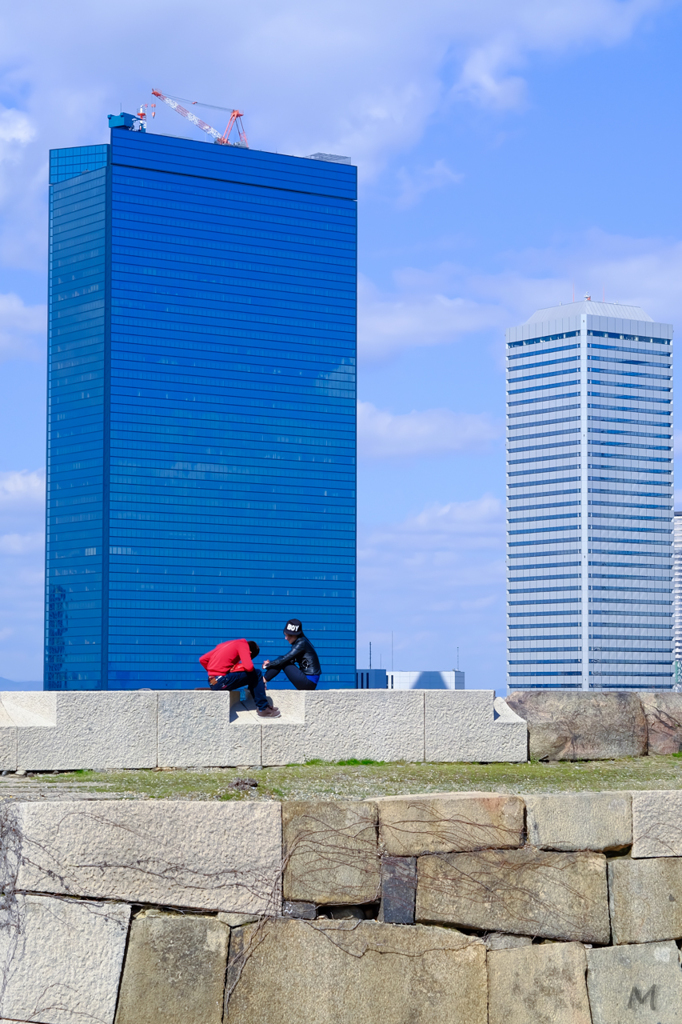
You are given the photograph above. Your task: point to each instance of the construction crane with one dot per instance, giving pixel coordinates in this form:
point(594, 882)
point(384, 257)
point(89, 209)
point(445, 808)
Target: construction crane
point(221, 140)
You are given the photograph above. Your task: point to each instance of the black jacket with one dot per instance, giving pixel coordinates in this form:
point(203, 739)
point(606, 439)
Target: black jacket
point(303, 654)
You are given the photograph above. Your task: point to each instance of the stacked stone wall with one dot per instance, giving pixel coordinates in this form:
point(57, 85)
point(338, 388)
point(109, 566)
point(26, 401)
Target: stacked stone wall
point(460, 908)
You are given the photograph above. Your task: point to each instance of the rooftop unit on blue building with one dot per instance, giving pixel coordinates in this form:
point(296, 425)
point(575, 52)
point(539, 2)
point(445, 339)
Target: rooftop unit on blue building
point(201, 407)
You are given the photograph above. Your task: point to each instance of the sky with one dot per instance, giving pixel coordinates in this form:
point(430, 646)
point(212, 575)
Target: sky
point(509, 157)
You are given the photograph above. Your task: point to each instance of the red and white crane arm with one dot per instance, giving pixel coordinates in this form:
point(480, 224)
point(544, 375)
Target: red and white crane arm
point(224, 139)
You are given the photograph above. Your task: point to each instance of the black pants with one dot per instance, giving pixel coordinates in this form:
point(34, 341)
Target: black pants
point(294, 675)
point(252, 679)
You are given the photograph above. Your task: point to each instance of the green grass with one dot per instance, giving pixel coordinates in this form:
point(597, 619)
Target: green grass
point(357, 780)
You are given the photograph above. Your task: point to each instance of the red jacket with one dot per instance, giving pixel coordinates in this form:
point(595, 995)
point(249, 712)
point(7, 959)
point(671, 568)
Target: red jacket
point(232, 656)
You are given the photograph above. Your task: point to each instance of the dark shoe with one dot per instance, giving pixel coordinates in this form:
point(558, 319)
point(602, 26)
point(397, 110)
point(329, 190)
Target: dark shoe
point(270, 713)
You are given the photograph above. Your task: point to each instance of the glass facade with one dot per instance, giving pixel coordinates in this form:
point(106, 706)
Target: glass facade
point(201, 409)
point(677, 599)
point(589, 485)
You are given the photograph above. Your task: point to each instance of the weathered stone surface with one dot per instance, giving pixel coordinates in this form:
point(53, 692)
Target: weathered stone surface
point(565, 726)
point(449, 822)
point(299, 909)
point(61, 960)
point(639, 984)
point(210, 856)
point(542, 984)
point(664, 721)
point(646, 899)
point(398, 889)
point(330, 851)
point(498, 940)
point(338, 972)
point(174, 970)
point(206, 728)
point(237, 920)
point(460, 725)
point(89, 730)
point(579, 821)
point(657, 823)
point(523, 892)
point(336, 724)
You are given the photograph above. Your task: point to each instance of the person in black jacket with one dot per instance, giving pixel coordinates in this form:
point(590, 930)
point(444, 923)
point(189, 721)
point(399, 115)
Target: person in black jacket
point(300, 665)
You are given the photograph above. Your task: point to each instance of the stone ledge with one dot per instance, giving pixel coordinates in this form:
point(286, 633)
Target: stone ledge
point(61, 731)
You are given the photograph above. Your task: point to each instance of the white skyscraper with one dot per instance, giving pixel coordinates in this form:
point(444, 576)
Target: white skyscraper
point(589, 477)
point(677, 599)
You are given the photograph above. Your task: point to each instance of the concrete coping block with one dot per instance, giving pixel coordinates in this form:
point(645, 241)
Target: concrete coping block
point(449, 822)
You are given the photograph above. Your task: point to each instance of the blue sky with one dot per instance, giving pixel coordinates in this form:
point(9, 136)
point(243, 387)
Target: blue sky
point(508, 153)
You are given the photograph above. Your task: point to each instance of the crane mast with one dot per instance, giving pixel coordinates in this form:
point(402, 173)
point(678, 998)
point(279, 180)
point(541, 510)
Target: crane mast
point(221, 140)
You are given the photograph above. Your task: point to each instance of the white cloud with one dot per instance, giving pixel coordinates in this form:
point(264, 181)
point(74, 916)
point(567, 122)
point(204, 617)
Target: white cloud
point(23, 489)
point(15, 131)
point(436, 581)
point(431, 431)
point(414, 186)
point(21, 543)
point(442, 305)
point(22, 328)
point(388, 323)
point(364, 79)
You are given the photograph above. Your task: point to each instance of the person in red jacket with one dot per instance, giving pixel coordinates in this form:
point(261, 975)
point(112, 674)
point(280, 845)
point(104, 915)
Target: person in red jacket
point(230, 666)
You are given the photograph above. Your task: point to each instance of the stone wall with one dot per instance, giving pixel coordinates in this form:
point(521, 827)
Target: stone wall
point(460, 908)
point(194, 729)
point(188, 728)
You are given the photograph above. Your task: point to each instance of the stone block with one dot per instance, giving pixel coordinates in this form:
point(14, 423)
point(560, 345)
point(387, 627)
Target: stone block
point(398, 889)
point(299, 909)
point(460, 725)
point(339, 724)
point(579, 821)
point(237, 920)
point(646, 899)
point(91, 730)
point(498, 940)
point(640, 984)
point(657, 823)
point(208, 856)
point(522, 892)
point(174, 970)
point(449, 822)
point(343, 972)
point(664, 721)
point(330, 851)
point(575, 726)
point(542, 984)
point(61, 959)
point(202, 728)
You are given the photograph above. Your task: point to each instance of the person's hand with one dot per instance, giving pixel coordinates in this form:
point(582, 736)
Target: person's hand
point(265, 664)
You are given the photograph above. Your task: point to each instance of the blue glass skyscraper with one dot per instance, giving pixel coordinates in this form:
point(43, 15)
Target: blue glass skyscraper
point(589, 499)
point(201, 409)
